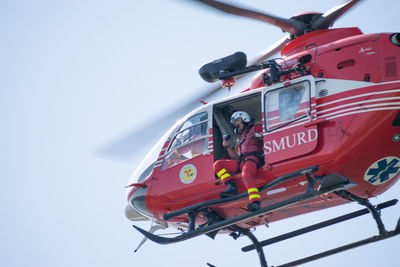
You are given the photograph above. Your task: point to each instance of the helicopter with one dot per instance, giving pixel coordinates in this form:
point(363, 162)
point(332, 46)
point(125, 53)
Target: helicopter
point(303, 147)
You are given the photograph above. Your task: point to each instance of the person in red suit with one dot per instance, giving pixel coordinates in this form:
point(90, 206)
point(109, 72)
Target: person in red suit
point(245, 158)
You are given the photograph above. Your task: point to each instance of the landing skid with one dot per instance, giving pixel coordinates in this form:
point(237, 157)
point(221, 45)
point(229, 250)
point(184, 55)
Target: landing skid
point(382, 235)
point(328, 184)
point(366, 241)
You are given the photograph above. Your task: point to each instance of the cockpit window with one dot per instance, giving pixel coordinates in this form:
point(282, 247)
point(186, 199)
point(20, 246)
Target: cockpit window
point(194, 128)
point(289, 101)
point(286, 105)
point(189, 141)
point(194, 120)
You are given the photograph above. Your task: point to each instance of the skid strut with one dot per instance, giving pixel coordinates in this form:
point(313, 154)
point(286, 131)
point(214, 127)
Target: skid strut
point(253, 239)
point(382, 234)
point(365, 202)
point(320, 225)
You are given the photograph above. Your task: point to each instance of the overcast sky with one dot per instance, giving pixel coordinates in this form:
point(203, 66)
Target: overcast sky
point(75, 75)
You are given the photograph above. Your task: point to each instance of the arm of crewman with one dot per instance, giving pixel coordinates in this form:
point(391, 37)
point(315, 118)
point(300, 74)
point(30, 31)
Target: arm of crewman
point(232, 153)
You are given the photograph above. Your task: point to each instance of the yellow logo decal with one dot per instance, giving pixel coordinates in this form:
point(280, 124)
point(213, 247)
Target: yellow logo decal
point(188, 173)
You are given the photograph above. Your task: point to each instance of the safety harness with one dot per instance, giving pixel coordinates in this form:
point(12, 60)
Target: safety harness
point(243, 157)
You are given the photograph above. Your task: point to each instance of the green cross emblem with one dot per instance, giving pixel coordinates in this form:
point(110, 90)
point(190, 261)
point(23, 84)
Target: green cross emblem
point(396, 137)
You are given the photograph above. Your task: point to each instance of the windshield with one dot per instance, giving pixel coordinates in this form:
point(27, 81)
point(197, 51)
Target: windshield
point(192, 129)
point(190, 141)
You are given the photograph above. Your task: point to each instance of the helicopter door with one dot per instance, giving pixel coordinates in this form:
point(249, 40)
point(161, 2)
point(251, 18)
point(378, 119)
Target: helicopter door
point(287, 110)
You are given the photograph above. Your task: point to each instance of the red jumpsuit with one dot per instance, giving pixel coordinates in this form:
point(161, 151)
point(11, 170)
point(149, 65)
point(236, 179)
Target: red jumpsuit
point(250, 143)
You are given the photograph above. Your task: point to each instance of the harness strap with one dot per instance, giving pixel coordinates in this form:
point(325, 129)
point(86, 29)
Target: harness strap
point(245, 135)
point(251, 160)
point(259, 155)
point(243, 158)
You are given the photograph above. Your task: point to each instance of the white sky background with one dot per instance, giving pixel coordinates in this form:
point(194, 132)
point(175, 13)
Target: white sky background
point(76, 74)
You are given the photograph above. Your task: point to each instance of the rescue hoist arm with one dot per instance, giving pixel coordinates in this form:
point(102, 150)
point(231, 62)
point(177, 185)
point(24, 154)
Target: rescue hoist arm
point(233, 65)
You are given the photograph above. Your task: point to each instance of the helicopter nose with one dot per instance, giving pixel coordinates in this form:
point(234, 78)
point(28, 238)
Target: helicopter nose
point(134, 215)
point(136, 208)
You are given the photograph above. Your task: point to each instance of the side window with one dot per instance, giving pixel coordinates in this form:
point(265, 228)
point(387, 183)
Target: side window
point(189, 141)
point(285, 105)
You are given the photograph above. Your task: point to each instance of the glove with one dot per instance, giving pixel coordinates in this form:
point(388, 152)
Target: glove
point(226, 144)
point(258, 135)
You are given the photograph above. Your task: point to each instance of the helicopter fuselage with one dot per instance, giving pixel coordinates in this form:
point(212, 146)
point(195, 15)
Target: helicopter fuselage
point(342, 113)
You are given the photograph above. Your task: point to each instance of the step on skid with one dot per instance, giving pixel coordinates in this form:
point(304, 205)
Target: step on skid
point(328, 183)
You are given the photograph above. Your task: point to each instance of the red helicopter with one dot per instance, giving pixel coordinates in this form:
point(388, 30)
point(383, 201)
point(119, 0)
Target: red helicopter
point(315, 104)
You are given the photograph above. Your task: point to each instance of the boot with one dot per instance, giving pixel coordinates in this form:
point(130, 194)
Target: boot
point(254, 206)
point(230, 191)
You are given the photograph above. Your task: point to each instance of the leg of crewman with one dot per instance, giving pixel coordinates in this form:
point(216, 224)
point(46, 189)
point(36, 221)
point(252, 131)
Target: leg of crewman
point(223, 169)
point(249, 171)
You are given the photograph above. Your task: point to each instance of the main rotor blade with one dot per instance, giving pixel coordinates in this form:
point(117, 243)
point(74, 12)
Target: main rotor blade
point(271, 50)
point(329, 17)
point(294, 27)
point(134, 144)
point(137, 142)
